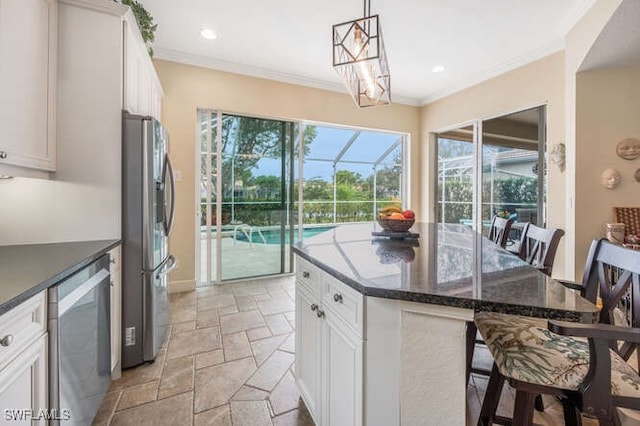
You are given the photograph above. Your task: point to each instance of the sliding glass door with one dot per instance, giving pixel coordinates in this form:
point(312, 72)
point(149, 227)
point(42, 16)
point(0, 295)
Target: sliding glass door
point(246, 191)
point(455, 176)
point(513, 167)
point(492, 167)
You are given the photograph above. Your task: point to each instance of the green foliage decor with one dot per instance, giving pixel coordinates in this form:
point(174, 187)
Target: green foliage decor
point(144, 20)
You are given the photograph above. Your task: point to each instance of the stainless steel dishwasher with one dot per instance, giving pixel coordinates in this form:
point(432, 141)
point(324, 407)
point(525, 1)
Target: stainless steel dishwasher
point(79, 343)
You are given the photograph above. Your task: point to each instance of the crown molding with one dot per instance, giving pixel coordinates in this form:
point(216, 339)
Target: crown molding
point(252, 71)
point(110, 7)
point(533, 55)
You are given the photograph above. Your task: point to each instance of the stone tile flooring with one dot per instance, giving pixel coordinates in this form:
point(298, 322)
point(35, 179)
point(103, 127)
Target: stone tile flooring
point(229, 361)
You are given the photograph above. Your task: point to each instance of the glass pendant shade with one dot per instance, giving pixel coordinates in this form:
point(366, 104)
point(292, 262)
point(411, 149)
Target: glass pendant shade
point(360, 59)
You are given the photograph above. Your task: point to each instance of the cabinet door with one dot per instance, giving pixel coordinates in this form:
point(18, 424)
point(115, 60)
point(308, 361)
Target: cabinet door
point(131, 63)
point(308, 351)
point(156, 99)
point(116, 311)
point(342, 398)
point(23, 384)
point(28, 31)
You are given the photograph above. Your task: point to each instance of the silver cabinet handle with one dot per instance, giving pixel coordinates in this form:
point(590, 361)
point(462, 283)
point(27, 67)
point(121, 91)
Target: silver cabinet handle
point(337, 298)
point(320, 313)
point(3, 155)
point(305, 274)
point(314, 307)
point(7, 340)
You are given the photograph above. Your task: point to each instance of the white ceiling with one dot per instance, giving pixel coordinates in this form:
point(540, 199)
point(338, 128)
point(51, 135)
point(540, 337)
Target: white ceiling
point(290, 40)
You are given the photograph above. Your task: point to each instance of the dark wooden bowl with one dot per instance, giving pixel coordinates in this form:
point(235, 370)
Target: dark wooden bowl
point(396, 225)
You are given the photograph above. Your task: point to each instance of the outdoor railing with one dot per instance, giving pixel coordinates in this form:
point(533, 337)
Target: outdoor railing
point(266, 213)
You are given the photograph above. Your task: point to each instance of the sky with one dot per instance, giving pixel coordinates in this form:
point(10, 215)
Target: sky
point(328, 143)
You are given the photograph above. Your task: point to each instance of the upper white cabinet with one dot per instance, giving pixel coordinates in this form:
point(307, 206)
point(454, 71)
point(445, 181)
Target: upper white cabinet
point(28, 32)
point(142, 90)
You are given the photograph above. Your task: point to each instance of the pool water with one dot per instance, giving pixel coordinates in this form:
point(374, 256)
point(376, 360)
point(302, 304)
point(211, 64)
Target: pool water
point(272, 236)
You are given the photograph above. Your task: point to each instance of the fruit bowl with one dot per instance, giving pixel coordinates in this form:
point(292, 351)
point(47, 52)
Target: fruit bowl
point(396, 225)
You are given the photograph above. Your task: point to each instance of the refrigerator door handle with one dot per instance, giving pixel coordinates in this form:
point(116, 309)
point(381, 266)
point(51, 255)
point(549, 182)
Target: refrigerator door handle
point(168, 219)
point(170, 264)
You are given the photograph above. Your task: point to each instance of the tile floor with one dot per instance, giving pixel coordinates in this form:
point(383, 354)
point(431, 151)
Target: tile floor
point(229, 361)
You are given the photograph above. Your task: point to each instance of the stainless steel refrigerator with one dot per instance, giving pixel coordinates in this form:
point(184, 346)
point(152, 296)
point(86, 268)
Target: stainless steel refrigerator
point(148, 206)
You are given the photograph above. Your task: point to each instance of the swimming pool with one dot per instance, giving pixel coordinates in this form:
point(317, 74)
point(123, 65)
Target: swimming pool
point(272, 236)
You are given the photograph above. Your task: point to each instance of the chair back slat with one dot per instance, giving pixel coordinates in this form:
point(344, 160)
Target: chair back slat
point(612, 271)
point(538, 246)
point(499, 231)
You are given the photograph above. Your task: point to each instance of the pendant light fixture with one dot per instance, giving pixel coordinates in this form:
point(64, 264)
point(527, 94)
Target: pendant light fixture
point(359, 58)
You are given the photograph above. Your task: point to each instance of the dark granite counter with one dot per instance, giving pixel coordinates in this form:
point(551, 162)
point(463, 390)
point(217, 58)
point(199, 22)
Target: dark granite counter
point(26, 270)
point(449, 265)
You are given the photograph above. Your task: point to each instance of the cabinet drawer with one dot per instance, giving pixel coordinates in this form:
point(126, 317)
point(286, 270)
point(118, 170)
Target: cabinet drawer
point(21, 326)
point(308, 274)
point(346, 302)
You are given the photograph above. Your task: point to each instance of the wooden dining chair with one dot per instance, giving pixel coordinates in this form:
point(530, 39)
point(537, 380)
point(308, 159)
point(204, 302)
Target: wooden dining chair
point(538, 246)
point(499, 230)
point(581, 364)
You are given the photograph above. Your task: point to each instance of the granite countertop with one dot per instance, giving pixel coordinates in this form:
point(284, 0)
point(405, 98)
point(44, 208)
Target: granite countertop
point(448, 265)
point(26, 270)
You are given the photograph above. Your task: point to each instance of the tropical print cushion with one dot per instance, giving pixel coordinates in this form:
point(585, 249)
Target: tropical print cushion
point(524, 349)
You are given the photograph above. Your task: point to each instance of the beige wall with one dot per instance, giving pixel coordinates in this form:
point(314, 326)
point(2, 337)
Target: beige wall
point(578, 43)
point(538, 83)
point(188, 87)
point(607, 108)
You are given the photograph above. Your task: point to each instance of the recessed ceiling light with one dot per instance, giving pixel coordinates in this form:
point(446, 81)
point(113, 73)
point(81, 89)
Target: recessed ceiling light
point(438, 68)
point(208, 33)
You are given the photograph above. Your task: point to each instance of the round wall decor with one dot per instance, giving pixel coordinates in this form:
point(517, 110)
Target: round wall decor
point(628, 148)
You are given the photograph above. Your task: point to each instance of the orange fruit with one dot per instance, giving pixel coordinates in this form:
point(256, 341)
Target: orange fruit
point(397, 216)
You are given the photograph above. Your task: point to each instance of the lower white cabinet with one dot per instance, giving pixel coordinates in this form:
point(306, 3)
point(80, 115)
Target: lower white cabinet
point(308, 328)
point(116, 311)
point(329, 357)
point(23, 362)
point(23, 385)
point(342, 373)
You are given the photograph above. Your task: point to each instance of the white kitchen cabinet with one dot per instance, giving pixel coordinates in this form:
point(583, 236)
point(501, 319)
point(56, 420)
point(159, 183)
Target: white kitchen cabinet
point(329, 350)
point(342, 373)
point(23, 384)
point(308, 350)
point(142, 89)
point(28, 52)
point(23, 359)
point(116, 311)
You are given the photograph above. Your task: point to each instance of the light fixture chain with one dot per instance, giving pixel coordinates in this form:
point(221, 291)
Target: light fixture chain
point(367, 8)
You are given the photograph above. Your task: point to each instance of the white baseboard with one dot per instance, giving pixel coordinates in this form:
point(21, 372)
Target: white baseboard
point(181, 286)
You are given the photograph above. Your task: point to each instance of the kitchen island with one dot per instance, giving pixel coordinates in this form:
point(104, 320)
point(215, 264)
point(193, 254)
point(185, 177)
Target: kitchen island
point(380, 324)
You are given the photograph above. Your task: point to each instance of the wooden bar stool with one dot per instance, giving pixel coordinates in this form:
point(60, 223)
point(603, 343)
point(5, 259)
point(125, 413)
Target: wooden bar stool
point(582, 364)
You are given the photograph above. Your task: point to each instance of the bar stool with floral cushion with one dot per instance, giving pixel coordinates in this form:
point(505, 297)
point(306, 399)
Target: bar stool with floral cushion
point(584, 365)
